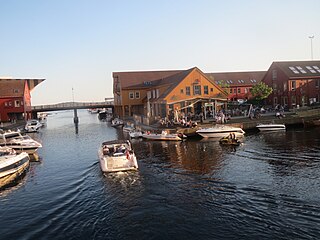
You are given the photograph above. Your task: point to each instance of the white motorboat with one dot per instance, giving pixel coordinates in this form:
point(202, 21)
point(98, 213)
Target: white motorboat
point(220, 131)
point(12, 165)
point(117, 122)
point(135, 134)
point(32, 125)
point(271, 127)
point(20, 143)
point(117, 156)
point(164, 136)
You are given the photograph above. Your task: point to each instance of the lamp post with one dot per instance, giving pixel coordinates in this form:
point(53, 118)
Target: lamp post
point(311, 38)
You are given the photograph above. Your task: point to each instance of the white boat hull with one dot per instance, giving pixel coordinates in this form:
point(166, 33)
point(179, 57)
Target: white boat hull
point(13, 168)
point(271, 127)
point(220, 132)
point(162, 137)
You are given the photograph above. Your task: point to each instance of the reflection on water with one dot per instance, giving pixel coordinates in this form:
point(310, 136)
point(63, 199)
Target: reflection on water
point(266, 188)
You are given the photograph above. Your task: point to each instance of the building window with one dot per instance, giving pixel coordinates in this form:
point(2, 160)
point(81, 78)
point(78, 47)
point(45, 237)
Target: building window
point(137, 95)
point(246, 90)
point(239, 90)
point(230, 90)
point(293, 85)
point(293, 100)
point(317, 83)
point(181, 91)
point(211, 89)
point(235, 90)
point(205, 90)
point(285, 86)
point(188, 91)
point(275, 101)
point(15, 90)
point(274, 74)
point(131, 95)
point(17, 103)
point(196, 90)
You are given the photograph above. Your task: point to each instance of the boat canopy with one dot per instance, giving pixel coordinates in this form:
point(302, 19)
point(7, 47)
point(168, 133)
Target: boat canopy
point(116, 142)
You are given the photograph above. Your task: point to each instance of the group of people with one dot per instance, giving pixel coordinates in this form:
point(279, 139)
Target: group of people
point(109, 151)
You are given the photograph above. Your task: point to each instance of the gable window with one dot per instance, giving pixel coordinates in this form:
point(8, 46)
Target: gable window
point(137, 95)
point(181, 91)
point(131, 95)
point(205, 90)
point(211, 89)
point(230, 90)
point(274, 74)
point(196, 90)
point(188, 91)
point(293, 85)
point(15, 90)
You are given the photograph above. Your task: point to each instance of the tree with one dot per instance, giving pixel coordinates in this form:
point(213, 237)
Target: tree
point(225, 86)
point(261, 91)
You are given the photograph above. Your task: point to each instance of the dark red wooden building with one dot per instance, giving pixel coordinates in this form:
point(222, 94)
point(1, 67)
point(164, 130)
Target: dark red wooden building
point(15, 98)
point(294, 83)
point(237, 84)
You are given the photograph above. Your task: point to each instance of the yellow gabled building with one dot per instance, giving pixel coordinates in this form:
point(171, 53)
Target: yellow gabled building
point(163, 93)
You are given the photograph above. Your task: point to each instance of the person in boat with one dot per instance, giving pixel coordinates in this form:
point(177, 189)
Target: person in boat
point(106, 150)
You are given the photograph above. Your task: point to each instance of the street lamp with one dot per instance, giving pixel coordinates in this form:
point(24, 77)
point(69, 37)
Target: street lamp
point(311, 37)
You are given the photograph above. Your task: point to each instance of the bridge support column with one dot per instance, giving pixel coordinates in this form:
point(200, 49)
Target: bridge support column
point(75, 116)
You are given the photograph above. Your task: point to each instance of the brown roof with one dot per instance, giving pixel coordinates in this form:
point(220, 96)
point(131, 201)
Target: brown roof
point(133, 78)
point(10, 87)
point(299, 69)
point(236, 78)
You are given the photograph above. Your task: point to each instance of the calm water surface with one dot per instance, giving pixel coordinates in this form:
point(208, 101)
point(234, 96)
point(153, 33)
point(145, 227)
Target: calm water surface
point(268, 188)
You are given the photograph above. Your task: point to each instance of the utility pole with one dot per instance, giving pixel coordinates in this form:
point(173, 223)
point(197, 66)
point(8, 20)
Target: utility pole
point(311, 38)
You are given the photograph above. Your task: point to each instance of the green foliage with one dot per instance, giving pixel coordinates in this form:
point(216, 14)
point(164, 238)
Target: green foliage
point(261, 91)
point(225, 86)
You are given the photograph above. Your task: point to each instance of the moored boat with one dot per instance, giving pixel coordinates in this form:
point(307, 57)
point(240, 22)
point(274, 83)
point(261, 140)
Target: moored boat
point(229, 141)
point(163, 136)
point(117, 122)
point(271, 127)
point(117, 156)
point(12, 166)
point(220, 131)
point(20, 143)
point(135, 134)
point(32, 125)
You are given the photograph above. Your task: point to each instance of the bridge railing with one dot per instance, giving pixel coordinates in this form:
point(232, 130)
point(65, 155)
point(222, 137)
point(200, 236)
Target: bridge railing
point(73, 105)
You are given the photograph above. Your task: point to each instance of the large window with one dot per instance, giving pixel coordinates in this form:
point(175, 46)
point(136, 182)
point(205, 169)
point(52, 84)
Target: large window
point(137, 95)
point(205, 90)
point(131, 95)
point(196, 90)
point(188, 91)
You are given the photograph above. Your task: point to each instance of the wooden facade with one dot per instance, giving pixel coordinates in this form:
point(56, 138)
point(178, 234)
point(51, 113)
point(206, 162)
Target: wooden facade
point(15, 98)
point(237, 84)
point(294, 83)
point(184, 90)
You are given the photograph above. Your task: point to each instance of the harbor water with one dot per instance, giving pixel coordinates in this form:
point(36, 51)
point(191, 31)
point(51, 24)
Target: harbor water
point(267, 188)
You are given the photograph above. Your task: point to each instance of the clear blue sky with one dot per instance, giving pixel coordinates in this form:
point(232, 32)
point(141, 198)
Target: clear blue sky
point(79, 43)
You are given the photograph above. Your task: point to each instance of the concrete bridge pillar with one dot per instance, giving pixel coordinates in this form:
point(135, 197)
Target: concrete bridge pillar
point(75, 116)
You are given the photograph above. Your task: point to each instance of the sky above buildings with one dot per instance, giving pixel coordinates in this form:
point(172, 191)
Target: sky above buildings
point(79, 43)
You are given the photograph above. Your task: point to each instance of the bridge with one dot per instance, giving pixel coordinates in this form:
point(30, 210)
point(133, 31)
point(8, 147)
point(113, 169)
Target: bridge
point(72, 105)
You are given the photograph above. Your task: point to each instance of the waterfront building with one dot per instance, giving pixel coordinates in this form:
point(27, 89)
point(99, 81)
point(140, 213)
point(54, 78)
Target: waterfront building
point(294, 83)
point(162, 94)
point(237, 84)
point(15, 98)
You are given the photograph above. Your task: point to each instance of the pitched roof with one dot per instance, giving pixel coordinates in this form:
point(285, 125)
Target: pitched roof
point(10, 88)
point(133, 78)
point(299, 69)
point(13, 87)
point(172, 79)
point(236, 78)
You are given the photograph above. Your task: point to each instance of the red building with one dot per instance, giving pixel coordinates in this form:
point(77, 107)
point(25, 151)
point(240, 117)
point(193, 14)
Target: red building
point(294, 83)
point(237, 84)
point(15, 98)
